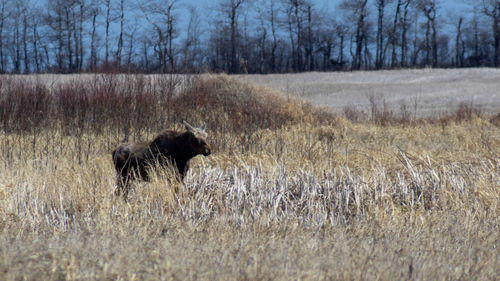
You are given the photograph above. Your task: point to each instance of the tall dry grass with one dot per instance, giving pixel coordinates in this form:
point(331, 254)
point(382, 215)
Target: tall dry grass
point(291, 192)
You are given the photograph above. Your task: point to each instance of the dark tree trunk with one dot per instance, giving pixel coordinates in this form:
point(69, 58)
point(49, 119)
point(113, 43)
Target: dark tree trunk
point(274, 44)
point(76, 39)
point(25, 42)
point(80, 37)
point(170, 37)
point(2, 24)
point(296, 5)
point(310, 57)
point(233, 17)
point(404, 29)
point(68, 40)
point(393, 36)
point(35, 47)
point(93, 51)
point(292, 42)
point(380, 34)
point(108, 21)
point(60, 58)
point(120, 37)
point(360, 36)
point(17, 46)
point(459, 60)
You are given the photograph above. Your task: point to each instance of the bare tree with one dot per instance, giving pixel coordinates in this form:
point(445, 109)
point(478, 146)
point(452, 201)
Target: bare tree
point(272, 18)
point(192, 45)
point(291, 30)
point(475, 30)
point(41, 40)
point(170, 34)
point(17, 40)
point(358, 12)
point(294, 8)
point(393, 36)
point(94, 12)
point(416, 46)
point(404, 29)
point(4, 15)
point(309, 46)
point(81, 18)
point(379, 55)
point(25, 23)
point(256, 36)
point(459, 45)
point(36, 44)
point(58, 10)
point(262, 32)
point(61, 19)
point(341, 31)
point(160, 14)
point(431, 53)
point(492, 10)
point(227, 37)
point(233, 15)
point(68, 29)
point(108, 22)
point(326, 47)
point(131, 51)
point(120, 37)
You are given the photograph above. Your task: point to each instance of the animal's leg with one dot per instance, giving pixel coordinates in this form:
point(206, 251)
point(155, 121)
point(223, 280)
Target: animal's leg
point(122, 185)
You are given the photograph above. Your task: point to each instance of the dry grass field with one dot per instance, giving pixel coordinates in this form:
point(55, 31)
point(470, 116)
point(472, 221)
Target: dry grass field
point(291, 191)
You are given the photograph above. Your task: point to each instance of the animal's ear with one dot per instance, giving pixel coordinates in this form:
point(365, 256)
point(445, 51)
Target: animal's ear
point(188, 127)
point(203, 127)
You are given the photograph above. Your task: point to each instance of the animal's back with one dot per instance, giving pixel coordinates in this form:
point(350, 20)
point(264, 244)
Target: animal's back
point(128, 154)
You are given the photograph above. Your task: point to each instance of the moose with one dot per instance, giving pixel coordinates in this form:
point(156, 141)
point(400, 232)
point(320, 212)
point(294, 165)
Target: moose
point(133, 160)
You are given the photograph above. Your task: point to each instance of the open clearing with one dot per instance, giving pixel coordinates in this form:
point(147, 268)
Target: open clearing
point(433, 91)
point(291, 191)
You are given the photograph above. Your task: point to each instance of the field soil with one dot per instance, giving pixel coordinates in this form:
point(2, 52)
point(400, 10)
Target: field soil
point(428, 92)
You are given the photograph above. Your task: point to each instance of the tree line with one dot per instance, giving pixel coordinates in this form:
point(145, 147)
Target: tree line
point(243, 36)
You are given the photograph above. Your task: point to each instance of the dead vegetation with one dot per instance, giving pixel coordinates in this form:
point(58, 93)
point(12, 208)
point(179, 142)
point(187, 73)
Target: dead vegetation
point(290, 191)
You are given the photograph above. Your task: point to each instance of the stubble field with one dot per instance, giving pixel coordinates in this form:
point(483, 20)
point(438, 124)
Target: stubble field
point(291, 191)
point(428, 92)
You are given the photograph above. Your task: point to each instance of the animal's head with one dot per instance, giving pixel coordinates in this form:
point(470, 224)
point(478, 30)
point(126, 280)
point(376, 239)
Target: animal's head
point(197, 139)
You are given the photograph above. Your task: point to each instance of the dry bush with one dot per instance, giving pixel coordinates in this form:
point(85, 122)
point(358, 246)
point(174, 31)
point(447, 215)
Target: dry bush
point(381, 114)
point(463, 112)
point(495, 120)
point(230, 105)
point(136, 103)
point(303, 196)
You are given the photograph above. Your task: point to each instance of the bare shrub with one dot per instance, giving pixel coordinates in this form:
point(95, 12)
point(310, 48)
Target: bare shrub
point(24, 106)
point(135, 103)
point(354, 115)
point(242, 107)
point(464, 112)
point(495, 120)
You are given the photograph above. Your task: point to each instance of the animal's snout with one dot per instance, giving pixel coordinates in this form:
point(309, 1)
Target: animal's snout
point(206, 151)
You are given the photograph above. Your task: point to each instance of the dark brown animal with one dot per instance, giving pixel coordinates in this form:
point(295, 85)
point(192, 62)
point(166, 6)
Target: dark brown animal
point(169, 147)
